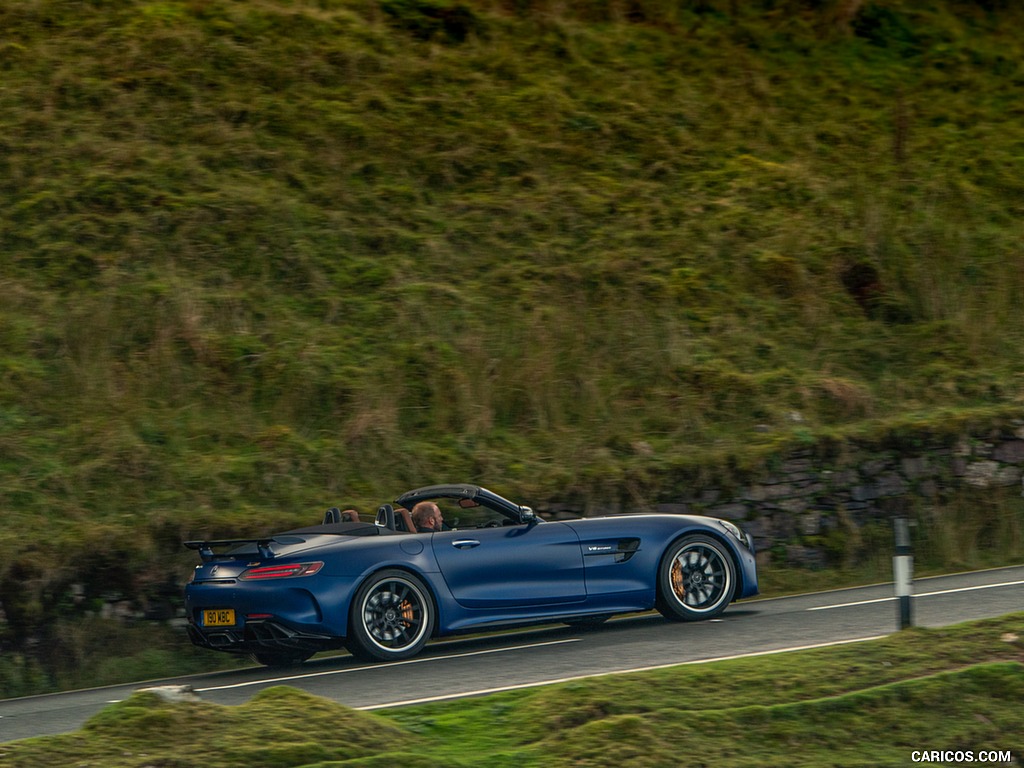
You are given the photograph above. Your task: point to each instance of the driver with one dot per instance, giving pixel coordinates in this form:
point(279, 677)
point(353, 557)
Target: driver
point(427, 517)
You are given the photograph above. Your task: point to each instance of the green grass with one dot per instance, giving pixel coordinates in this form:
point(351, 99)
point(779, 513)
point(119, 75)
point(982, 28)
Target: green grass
point(867, 704)
point(261, 258)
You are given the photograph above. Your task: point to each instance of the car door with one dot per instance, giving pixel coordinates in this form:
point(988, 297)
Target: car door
point(512, 567)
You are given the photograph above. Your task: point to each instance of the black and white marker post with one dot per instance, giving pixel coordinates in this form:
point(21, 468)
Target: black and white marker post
point(903, 569)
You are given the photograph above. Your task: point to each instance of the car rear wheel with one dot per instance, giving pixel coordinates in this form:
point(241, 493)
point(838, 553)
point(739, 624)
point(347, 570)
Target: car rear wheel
point(696, 579)
point(392, 617)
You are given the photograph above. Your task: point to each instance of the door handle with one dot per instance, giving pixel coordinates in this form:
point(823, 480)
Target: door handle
point(465, 543)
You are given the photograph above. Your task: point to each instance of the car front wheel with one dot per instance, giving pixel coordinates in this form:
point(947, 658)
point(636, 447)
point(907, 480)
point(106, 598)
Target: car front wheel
point(392, 617)
point(696, 579)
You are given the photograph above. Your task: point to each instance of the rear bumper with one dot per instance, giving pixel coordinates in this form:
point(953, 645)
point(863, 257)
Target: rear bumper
point(267, 617)
point(262, 635)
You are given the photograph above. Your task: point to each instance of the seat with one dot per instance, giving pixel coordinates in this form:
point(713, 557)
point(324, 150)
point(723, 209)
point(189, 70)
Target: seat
point(332, 515)
point(403, 520)
point(385, 517)
point(335, 515)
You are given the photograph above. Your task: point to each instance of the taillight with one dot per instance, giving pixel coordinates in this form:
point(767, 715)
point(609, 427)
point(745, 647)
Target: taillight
point(283, 571)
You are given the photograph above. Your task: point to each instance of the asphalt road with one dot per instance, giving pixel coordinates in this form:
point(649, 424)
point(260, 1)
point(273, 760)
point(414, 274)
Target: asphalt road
point(480, 665)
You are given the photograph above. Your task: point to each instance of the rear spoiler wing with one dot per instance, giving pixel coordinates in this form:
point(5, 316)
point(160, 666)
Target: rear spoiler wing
point(205, 548)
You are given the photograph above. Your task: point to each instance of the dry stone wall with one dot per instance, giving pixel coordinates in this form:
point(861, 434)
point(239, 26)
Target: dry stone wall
point(805, 497)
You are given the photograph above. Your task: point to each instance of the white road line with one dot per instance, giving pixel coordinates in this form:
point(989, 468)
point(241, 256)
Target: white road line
point(923, 594)
point(850, 605)
point(347, 670)
point(520, 686)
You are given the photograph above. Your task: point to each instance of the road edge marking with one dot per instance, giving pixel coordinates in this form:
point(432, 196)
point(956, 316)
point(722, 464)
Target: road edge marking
point(950, 591)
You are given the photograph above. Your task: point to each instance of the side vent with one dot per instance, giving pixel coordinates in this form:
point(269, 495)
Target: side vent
point(627, 548)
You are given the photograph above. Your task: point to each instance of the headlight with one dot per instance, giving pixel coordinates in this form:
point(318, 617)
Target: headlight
point(741, 537)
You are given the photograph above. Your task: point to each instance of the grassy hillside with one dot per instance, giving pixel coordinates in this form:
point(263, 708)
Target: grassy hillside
point(258, 258)
point(869, 704)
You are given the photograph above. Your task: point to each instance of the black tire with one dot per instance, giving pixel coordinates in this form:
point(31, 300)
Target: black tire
point(391, 617)
point(280, 658)
point(696, 579)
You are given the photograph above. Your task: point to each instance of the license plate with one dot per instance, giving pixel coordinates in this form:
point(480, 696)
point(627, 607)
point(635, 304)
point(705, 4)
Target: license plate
point(220, 617)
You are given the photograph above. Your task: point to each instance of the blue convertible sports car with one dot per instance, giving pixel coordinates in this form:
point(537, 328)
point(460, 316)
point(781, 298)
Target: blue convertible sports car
point(382, 590)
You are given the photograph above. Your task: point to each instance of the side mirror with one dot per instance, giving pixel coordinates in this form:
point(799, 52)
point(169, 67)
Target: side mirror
point(527, 515)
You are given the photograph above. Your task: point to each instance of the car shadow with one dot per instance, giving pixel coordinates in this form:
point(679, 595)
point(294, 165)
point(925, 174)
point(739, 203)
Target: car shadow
point(478, 642)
